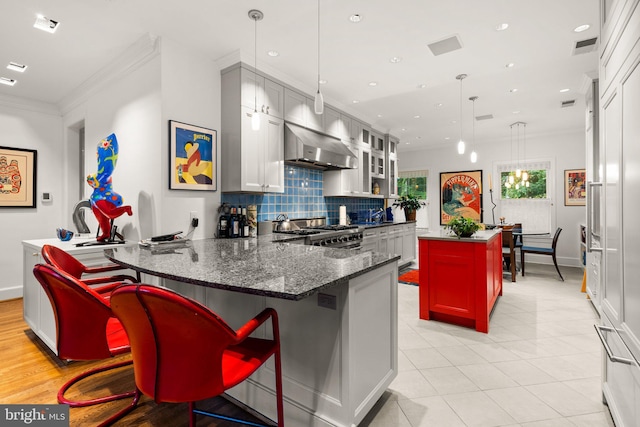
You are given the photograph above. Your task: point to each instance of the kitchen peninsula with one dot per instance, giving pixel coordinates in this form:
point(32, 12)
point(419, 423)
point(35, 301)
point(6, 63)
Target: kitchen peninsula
point(460, 278)
point(337, 311)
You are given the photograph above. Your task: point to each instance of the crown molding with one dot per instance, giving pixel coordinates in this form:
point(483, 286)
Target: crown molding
point(14, 102)
point(142, 51)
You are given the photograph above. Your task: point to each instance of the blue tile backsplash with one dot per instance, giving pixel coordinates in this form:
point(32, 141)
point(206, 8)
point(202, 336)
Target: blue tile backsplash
point(302, 198)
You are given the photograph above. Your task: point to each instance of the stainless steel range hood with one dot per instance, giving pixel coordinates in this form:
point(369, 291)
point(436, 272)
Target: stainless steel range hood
point(307, 148)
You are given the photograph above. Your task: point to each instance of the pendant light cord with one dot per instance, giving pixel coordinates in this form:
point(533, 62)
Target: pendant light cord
point(318, 82)
point(255, 64)
point(462, 78)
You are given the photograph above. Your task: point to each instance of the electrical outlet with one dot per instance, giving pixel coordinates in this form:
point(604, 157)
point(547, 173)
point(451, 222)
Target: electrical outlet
point(193, 219)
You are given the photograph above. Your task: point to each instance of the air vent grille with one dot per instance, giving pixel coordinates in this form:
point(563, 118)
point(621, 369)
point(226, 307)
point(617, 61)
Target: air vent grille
point(446, 45)
point(584, 46)
point(485, 117)
point(569, 103)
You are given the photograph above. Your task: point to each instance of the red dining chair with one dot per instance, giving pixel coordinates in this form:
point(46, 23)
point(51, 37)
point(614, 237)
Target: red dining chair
point(66, 262)
point(184, 352)
point(86, 329)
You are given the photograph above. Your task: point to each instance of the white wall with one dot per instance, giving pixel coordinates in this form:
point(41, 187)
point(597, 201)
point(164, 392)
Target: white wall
point(567, 151)
point(35, 127)
point(135, 103)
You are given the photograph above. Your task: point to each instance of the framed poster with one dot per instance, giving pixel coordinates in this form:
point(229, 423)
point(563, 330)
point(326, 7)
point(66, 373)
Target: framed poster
point(192, 157)
point(460, 195)
point(18, 177)
point(575, 187)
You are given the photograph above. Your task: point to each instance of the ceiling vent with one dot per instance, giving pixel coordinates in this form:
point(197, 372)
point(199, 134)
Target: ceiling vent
point(569, 103)
point(585, 46)
point(445, 45)
point(485, 117)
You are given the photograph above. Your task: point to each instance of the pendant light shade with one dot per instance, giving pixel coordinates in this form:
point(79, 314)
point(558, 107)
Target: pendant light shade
point(474, 157)
point(256, 16)
point(318, 102)
point(461, 145)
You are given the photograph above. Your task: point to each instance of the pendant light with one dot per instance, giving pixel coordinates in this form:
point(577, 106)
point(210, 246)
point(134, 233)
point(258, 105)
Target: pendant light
point(474, 155)
point(318, 102)
point(461, 144)
point(256, 15)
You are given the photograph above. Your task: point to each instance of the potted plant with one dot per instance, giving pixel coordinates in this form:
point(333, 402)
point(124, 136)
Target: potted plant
point(410, 204)
point(462, 227)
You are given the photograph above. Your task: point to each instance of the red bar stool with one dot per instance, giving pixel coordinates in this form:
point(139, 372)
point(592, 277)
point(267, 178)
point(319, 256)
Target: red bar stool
point(66, 262)
point(86, 329)
point(184, 352)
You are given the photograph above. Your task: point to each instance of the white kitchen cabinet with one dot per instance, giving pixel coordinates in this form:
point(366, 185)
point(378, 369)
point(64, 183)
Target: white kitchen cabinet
point(333, 123)
point(398, 239)
point(251, 161)
point(299, 109)
point(314, 121)
point(391, 153)
point(350, 182)
point(260, 93)
point(38, 313)
point(619, 133)
point(345, 128)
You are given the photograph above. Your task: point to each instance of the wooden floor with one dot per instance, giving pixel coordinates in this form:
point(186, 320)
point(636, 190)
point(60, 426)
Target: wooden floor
point(31, 374)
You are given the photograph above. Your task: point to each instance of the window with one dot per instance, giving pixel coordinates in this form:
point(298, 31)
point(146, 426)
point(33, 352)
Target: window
point(413, 182)
point(531, 205)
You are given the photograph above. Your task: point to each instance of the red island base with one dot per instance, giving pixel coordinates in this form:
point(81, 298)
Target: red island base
point(460, 279)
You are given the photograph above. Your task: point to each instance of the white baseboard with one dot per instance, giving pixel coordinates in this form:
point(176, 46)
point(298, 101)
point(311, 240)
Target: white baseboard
point(12, 292)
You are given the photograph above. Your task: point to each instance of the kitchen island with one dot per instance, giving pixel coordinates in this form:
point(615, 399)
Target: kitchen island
point(337, 311)
point(460, 279)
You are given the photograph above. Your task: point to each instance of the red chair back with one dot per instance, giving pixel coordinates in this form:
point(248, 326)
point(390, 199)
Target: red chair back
point(177, 344)
point(86, 329)
point(62, 261)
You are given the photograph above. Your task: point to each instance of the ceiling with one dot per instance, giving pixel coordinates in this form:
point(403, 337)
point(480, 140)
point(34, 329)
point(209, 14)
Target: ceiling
point(539, 41)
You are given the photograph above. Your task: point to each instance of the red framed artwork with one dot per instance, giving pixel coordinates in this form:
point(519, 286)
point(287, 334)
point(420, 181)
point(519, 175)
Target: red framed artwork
point(460, 195)
point(575, 187)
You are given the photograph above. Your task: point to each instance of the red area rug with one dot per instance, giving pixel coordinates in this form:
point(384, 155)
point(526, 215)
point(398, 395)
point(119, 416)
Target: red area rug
point(411, 277)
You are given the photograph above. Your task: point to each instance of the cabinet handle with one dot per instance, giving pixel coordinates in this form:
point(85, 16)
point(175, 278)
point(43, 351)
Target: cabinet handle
point(590, 208)
point(267, 109)
point(262, 109)
point(599, 330)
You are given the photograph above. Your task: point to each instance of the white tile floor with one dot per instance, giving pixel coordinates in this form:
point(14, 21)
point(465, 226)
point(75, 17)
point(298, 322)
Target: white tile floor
point(539, 365)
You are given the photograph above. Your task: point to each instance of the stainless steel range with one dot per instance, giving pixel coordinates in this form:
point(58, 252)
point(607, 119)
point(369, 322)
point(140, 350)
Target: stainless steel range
point(334, 236)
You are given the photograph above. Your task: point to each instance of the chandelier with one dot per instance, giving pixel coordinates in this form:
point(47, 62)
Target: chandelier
point(518, 178)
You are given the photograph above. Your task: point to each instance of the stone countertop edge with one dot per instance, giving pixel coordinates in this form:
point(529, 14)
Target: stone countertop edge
point(384, 224)
point(295, 295)
point(479, 236)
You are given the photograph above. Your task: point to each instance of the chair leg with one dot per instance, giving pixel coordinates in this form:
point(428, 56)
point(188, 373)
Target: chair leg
point(192, 414)
point(556, 264)
point(522, 261)
point(279, 403)
point(89, 402)
point(115, 417)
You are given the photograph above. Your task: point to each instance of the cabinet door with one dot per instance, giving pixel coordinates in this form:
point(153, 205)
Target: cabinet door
point(251, 89)
point(364, 175)
point(274, 155)
point(345, 129)
point(252, 153)
point(294, 107)
point(393, 180)
point(314, 121)
point(332, 122)
point(408, 243)
point(273, 98)
point(356, 131)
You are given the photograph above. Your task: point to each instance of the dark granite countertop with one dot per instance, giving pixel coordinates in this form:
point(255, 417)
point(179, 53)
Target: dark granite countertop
point(383, 224)
point(258, 266)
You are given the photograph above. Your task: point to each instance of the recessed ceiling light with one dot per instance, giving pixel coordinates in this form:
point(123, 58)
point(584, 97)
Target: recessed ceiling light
point(45, 24)
point(7, 81)
point(581, 28)
point(16, 67)
point(322, 82)
point(453, 122)
point(355, 101)
point(273, 53)
point(418, 137)
point(408, 143)
point(395, 60)
point(446, 138)
point(510, 65)
point(439, 105)
point(355, 18)
point(403, 130)
point(416, 117)
point(379, 115)
point(422, 86)
point(513, 90)
point(564, 90)
point(373, 83)
point(502, 27)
